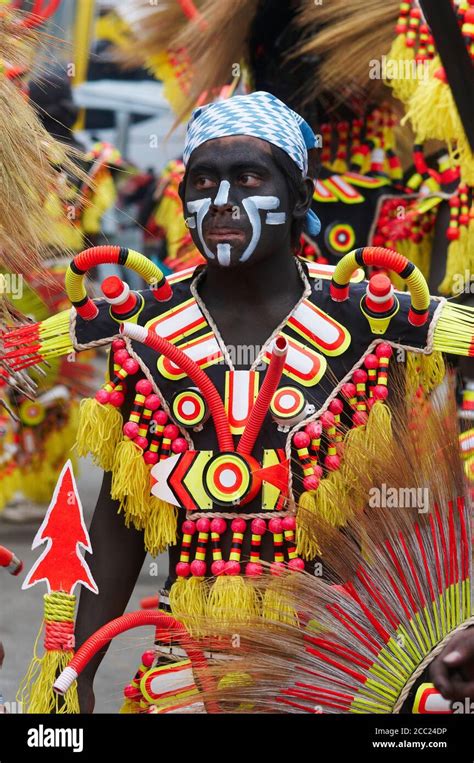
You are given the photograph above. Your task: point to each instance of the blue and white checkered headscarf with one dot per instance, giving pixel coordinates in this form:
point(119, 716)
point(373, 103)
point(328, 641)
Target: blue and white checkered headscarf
point(259, 115)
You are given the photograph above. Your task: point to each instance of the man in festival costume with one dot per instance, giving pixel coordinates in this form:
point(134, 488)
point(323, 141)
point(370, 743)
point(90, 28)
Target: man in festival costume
point(291, 361)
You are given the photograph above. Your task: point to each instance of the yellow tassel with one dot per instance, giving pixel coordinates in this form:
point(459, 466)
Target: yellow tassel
point(403, 86)
point(276, 606)
point(39, 696)
point(131, 483)
point(161, 526)
point(459, 264)
point(188, 599)
point(36, 693)
point(232, 598)
point(378, 430)
point(432, 110)
point(99, 432)
point(433, 371)
point(328, 502)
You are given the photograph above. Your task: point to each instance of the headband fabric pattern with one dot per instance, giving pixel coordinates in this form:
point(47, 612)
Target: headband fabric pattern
point(258, 115)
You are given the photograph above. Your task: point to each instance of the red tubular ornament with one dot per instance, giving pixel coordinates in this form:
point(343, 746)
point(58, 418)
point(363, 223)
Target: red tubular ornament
point(191, 369)
point(267, 390)
point(379, 257)
point(110, 255)
point(131, 620)
point(10, 561)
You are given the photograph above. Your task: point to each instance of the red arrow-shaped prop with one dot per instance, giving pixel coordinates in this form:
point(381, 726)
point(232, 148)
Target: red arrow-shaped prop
point(61, 565)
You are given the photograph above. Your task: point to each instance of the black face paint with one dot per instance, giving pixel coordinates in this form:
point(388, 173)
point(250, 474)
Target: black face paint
point(237, 202)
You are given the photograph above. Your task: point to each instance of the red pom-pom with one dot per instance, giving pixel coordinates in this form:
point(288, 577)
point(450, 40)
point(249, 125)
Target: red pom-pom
point(131, 366)
point(198, 568)
point(336, 406)
point(203, 525)
point(297, 565)
point(116, 399)
point(131, 692)
point(380, 392)
point(130, 429)
point(275, 526)
point(171, 431)
point(218, 525)
point(359, 418)
point(371, 361)
point(289, 523)
point(102, 396)
point(120, 357)
point(238, 525)
point(152, 402)
point(259, 526)
point(161, 417)
point(232, 568)
point(118, 344)
point(348, 390)
point(384, 350)
point(150, 458)
point(359, 376)
point(314, 430)
point(143, 387)
point(311, 482)
point(327, 419)
point(218, 567)
point(179, 445)
point(188, 527)
point(332, 463)
point(148, 658)
point(182, 569)
point(253, 569)
point(318, 470)
point(301, 440)
point(142, 442)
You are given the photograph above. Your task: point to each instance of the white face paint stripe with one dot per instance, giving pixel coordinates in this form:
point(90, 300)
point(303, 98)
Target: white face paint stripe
point(201, 208)
point(223, 254)
point(222, 194)
point(275, 218)
point(251, 205)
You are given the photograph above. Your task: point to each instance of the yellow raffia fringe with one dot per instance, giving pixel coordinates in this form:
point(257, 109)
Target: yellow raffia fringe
point(403, 87)
point(454, 330)
point(35, 692)
point(432, 110)
point(232, 598)
point(378, 428)
point(161, 525)
point(276, 607)
point(131, 483)
point(188, 599)
point(99, 432)
point(460, 260)
point(427, 371)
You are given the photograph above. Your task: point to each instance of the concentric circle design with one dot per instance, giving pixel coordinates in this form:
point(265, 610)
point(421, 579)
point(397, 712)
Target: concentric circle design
point(189, 408)
point(227, 478)
point(287, 402)
point(340, 238)
point(32, 413)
